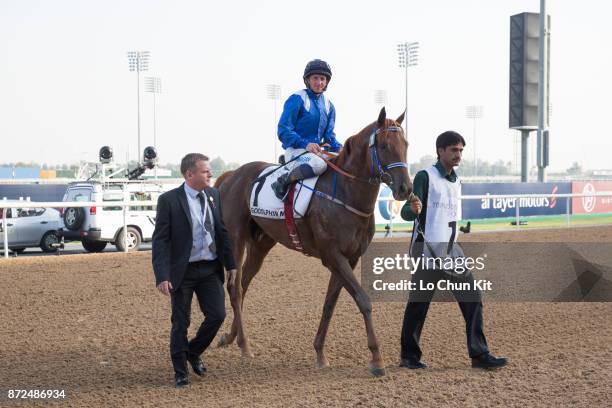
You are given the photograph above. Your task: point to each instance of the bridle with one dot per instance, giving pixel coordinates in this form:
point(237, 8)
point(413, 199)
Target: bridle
point(383, 176)
point(379, 170)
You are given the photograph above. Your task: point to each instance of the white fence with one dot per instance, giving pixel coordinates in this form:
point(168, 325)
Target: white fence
point(567, 196)
point(126, 204)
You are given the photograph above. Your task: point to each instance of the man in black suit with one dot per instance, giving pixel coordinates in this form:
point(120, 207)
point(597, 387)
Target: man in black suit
point(190, 249)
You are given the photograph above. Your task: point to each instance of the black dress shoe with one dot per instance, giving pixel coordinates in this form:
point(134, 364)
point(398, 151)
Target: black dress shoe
point(489, 361)
point(198, 366)
point(412, 363)
point(181, 382)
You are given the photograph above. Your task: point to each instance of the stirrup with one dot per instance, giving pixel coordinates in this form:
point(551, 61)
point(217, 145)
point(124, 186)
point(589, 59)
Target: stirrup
point(280, 194)
point(284, 199)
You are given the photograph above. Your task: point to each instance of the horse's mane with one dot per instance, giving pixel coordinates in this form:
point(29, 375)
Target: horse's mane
point(352, 140)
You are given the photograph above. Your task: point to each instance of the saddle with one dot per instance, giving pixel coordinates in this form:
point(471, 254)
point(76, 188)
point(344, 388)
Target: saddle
point(264, 203)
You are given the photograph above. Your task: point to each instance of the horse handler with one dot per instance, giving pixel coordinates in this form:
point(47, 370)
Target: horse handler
point(436, 212)
point(190, 249)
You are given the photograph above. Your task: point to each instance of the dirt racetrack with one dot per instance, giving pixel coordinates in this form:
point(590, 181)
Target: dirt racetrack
point(95, 326)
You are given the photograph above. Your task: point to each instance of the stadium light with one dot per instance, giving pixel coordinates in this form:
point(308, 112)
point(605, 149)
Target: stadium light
point(274, 93)
point(474, 112)
point(153, 86)
point(138, 61)
point(408, 56)
point(380, 96)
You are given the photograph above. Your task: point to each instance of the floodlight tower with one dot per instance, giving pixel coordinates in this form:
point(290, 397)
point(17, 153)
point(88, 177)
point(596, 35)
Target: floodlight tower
point(138, 61)
point(408, 56)
point(474, 112)
point(274, 93)
point(380, 97)
point(153, 86)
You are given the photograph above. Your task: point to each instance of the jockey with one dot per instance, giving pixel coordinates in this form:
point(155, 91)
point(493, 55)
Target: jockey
point(308, 119)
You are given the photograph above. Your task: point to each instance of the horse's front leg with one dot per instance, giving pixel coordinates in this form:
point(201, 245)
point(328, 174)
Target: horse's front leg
point(340, 265)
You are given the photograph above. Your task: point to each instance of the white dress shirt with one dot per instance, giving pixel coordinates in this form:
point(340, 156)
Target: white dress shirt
point(201, 238)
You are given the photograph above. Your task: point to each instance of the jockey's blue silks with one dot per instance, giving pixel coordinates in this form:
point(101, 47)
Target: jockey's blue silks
point(308, 118)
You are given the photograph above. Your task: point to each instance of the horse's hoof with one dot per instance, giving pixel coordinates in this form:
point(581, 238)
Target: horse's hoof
point(223, 341)
point(323, 363)
point(377, 371)
point(248, 354)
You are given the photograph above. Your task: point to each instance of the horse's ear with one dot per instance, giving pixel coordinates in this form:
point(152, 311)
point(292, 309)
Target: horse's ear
point(401, 118)
point(381, 117)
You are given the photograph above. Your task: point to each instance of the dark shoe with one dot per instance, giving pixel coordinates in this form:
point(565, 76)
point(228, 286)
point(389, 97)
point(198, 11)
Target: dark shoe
point(489, 361)
point(412, 363)
point(181, 382)
point(198, 366)
point(280, 187)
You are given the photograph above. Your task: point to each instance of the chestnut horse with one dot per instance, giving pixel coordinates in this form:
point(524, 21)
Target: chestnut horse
point(336, 232)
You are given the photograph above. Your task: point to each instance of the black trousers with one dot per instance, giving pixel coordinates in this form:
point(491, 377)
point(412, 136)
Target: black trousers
point(205, 280)
point(470, 303)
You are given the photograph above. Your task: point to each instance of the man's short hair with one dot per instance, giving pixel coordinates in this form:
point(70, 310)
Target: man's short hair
point(448, 138)
point(190, 161)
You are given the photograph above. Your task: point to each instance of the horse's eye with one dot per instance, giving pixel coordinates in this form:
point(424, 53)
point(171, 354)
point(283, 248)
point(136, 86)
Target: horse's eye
point(383, 146)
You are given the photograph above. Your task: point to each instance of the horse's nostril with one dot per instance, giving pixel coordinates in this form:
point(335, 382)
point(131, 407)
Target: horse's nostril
point(403, 188)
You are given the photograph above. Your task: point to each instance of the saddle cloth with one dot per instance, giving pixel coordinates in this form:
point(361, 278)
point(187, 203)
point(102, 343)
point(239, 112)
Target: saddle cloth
point(264, 203)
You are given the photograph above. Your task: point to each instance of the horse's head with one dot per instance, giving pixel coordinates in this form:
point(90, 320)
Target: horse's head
point(388, 150)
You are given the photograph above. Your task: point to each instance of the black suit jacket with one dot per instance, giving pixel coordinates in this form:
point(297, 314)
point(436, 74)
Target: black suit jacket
point(173, 239)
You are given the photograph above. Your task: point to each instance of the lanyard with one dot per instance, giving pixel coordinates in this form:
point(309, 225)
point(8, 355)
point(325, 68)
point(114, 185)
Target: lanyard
point(205, 213)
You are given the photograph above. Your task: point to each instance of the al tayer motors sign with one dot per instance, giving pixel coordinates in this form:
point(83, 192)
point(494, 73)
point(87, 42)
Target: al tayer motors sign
point(591, 205)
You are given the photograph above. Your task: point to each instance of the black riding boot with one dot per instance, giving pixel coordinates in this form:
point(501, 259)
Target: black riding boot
point(281, 185)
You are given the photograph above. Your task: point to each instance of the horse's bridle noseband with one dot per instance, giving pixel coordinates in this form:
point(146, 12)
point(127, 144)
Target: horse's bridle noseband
point(383, 176)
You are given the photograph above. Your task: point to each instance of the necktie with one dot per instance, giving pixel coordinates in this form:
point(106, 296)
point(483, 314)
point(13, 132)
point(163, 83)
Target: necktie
point(207, 223)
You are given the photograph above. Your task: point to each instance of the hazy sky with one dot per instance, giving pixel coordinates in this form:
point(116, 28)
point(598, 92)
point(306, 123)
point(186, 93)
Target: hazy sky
point(65, 87)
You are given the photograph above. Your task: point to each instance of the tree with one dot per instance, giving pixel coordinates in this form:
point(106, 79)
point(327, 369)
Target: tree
point(232, 166)
point(423, 162)
point(217, 166)
point(575, 169)
point(484, 168)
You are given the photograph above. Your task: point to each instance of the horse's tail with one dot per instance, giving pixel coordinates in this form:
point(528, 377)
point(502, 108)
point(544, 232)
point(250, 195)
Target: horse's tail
point(223, 177)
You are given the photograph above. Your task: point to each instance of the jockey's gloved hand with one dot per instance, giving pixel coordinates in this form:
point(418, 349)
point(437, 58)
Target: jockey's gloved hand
point(313, 148)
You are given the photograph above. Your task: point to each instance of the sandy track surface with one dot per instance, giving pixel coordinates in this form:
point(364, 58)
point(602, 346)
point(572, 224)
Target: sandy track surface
point(95, 326)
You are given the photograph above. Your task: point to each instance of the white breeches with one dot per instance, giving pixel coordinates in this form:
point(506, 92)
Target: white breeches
point(317, 164)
